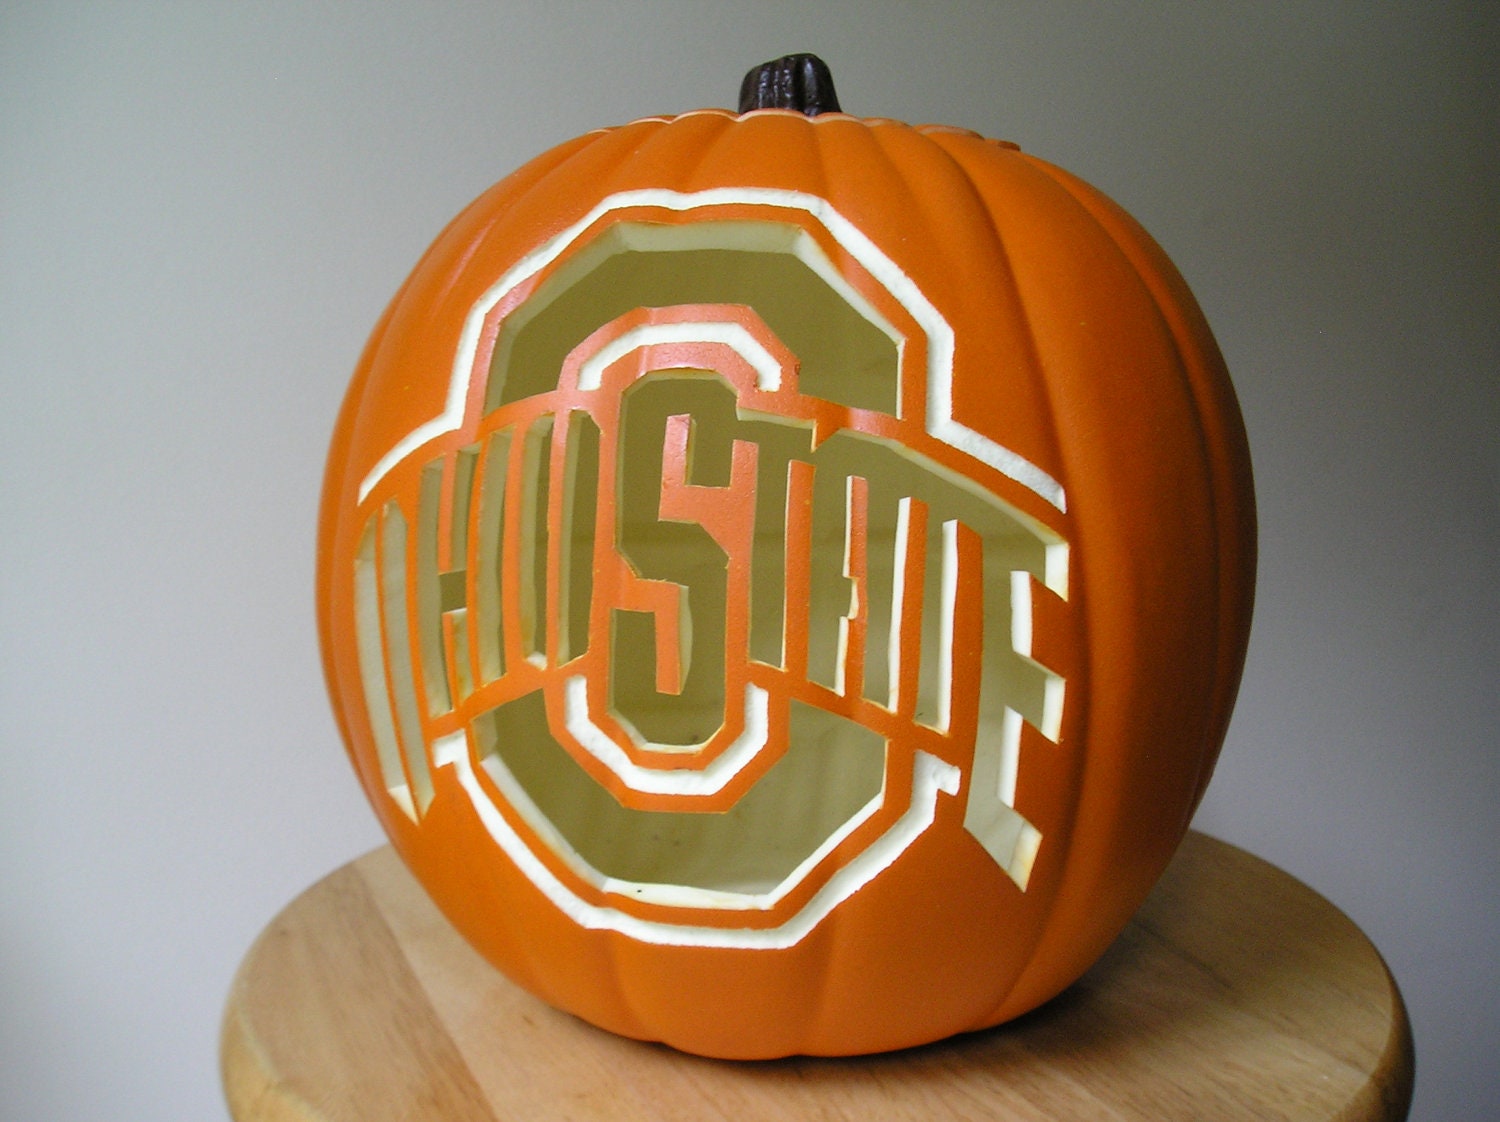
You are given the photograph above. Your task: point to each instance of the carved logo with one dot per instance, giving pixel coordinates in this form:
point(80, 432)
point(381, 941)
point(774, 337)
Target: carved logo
point(697, 585)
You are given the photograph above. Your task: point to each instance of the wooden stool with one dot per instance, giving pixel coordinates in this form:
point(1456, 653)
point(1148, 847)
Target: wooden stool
point(1236, 992)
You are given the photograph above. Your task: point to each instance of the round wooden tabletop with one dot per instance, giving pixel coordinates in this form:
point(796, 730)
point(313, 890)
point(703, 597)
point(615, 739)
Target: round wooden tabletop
point(1235, 993)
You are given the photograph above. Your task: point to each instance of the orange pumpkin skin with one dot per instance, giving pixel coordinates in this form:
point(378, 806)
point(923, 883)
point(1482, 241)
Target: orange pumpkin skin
point(1075, 347)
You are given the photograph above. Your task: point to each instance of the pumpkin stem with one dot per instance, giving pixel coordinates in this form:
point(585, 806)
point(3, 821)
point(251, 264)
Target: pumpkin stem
point(800, 82)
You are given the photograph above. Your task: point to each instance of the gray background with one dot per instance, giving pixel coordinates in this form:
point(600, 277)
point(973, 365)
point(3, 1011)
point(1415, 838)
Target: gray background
point(204, 207)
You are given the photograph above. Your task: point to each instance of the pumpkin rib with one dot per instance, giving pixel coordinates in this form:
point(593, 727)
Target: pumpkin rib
point(1083, 877)
point(591, 149)
point(798, 146)
point(1164, 311)
point(895, 142)
point(865, 143)
point(556, 196)
point(856, 143)
point(818, 143)
point(620, 998)
point(872, 179)
point(675, 150)
point(957, 150)
point(1214, 398)
point(965, 150)
point(516, 186)
point(994, 220)
point(824, 1014)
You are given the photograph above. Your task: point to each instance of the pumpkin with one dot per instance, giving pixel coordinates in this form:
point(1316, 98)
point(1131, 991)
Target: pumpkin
point(784, 577)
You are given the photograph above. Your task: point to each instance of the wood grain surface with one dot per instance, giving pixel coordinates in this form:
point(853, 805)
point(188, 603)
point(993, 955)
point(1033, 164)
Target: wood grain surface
point(1235, 993)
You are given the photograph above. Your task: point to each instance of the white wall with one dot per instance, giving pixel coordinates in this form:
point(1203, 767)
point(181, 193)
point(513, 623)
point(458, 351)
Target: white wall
point(203, 207)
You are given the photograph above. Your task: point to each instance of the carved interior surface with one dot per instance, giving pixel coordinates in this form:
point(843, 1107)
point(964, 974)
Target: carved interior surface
point(846, 354)
point(833, 770)
point(489, 526)
point(387, 665)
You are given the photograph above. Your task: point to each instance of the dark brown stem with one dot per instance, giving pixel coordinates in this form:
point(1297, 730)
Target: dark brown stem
point(800, 82)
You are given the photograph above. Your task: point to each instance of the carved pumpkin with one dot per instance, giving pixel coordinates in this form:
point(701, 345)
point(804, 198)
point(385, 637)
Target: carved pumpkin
point(784, 578)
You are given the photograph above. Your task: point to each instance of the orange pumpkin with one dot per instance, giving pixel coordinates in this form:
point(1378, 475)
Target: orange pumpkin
point(784, 577)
